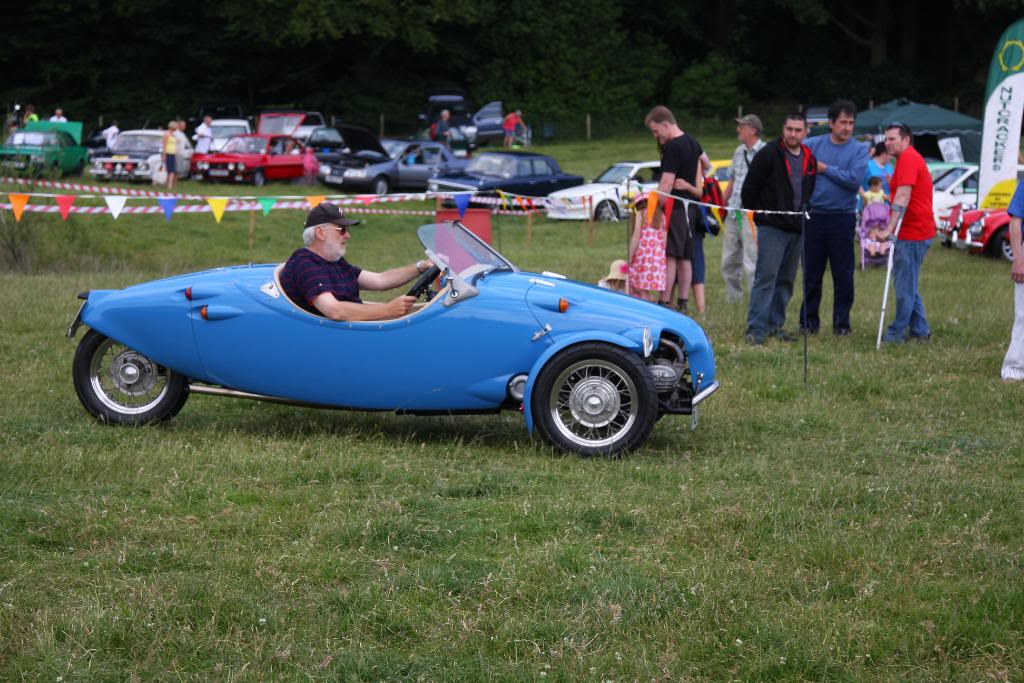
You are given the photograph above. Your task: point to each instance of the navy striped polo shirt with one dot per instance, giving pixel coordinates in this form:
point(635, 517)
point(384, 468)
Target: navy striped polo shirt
point(306, 276)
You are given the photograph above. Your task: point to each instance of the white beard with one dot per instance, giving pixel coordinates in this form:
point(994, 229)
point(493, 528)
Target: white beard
point(336, 253)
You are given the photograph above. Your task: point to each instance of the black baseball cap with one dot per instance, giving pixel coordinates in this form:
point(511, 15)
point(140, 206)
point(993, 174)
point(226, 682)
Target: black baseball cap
point(328, 213)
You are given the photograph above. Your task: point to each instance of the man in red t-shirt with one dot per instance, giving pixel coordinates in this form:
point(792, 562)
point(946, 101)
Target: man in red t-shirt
point(912, 200)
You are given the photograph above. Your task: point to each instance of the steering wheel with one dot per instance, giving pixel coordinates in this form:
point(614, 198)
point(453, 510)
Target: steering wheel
point(422, 284)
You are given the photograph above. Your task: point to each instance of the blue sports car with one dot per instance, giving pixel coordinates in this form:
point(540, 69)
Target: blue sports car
point(530, 175)
point(590, 369)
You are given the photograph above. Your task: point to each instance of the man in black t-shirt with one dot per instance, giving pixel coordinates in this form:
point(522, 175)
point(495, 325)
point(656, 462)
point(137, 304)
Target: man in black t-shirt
point(681, 177)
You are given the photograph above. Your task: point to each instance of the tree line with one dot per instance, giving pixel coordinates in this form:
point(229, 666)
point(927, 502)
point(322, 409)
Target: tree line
point(153, 59)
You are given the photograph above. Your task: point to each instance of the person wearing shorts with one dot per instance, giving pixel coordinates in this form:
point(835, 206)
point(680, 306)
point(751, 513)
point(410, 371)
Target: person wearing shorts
point(170, 153)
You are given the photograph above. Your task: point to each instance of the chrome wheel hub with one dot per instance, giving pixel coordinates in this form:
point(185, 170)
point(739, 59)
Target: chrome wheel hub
point(594, 402)
point(133, 374)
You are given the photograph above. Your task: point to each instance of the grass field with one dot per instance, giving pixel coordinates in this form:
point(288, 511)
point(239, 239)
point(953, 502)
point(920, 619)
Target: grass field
point(866, 525)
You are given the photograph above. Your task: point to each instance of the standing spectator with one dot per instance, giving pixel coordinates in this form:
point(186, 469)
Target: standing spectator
point(739, 247)
point(879, 166)
point(781, 178)
point(170, 153)
point(511, 123)
point(58, 116)
point(911, 199)
point(443, 129)
point(1013, 364)
point(204, 136)
point(30, 114)
point(680, 177)
point(830, 230)
point(110, 134)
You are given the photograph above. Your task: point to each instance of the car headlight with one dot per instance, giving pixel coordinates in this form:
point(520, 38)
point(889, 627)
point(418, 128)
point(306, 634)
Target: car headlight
point(648, 342)
point(241, 166)
point(231, 167)
point(355, 173)
point(143, 166)
point(976, 229)
point(97, 164)
point(325, 169)
point(432, 187)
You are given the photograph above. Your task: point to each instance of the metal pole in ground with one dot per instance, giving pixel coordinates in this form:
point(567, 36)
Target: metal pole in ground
point(803, 280)
point(888, 274)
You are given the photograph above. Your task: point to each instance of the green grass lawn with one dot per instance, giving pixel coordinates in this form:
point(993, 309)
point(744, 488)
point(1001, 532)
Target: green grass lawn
point(866, 525)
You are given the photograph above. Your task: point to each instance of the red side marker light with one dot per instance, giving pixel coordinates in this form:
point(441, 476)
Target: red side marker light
point(202, 312)
point(188, 293)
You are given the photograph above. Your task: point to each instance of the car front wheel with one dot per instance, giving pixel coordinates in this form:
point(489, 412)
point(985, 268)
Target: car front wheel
point(258, 179)
point(121, 386)
point(380, 185)
point(606, 212)
point(595, 399)
point(999, 245)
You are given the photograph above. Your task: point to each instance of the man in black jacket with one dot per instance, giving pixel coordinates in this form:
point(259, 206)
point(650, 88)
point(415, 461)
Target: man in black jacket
point(781, 178)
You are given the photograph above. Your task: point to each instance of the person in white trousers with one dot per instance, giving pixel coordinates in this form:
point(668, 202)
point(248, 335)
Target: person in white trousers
point(1013, 364)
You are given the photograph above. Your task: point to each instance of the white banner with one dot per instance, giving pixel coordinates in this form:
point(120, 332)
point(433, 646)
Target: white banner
point(1004, 110)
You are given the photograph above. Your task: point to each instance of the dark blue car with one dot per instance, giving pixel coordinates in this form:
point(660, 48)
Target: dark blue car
point(530, 175)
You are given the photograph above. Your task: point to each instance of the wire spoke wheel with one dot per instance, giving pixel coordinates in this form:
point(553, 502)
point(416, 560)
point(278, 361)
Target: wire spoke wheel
point(595, 399)
point(118, 384)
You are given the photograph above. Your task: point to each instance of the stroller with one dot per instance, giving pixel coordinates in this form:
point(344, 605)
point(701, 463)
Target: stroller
point(874, 217)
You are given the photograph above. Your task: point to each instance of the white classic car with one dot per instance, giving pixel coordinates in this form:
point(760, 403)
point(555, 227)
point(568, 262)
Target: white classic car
point(607, 197)
point(136, 154)
point(225, 129)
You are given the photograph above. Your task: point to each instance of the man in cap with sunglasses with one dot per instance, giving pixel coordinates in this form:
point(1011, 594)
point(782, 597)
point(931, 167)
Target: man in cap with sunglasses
point(318, 279)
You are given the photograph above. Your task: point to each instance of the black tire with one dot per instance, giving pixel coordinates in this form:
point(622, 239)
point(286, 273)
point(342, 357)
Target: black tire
point(621, 400)
point(999, 245)
point(380, 185)
point(79, 168)
point(606, 212)
point(258, 179)
point(120, 386)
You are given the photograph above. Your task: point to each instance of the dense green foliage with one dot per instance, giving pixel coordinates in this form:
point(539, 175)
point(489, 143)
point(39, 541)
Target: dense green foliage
point(557, 59)
point(864, 526)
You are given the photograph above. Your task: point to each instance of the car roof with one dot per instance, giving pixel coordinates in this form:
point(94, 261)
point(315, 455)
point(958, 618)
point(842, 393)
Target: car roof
point(230, 122)
point(143, 131)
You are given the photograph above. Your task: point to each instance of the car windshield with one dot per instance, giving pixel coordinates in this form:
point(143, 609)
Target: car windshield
point(616, 174)
point(24, 138)
point(948, 179)
point(243, 145)
point(280, 124)
point(463, 252)
point(499, 165)
point(393, 147)
point(126, 142)
point(220, 132)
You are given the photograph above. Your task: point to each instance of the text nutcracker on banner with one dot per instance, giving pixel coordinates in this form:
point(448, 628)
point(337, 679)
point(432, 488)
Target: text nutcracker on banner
point(1004, 107)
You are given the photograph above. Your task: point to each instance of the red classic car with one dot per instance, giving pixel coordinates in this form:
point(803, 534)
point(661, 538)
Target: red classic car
point(983, 231)
point(252, 159)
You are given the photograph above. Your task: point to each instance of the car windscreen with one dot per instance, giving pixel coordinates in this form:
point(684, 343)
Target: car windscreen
point(460, 248)
point(393, 147)
point(241, 145)
point(498, 165)
point(947, 180)
point(221, 132)
point(24, 138)
point(616, 174)
point(126, 142)
point(278, 124)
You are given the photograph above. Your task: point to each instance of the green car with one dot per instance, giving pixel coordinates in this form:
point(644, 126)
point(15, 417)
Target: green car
point(44, 146)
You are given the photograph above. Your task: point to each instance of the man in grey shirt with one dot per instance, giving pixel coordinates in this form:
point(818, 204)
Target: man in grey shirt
point(739, 245)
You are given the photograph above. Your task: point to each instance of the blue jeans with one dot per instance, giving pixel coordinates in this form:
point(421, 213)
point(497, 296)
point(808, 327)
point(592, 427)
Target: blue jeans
point(906, 269)
point(698, 258)
point(778, 255)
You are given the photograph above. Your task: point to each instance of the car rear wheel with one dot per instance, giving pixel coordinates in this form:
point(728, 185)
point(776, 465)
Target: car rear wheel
point(258, 179)
point(606, 211)
point(595, 399)
point(121, 386)
point(380, 185)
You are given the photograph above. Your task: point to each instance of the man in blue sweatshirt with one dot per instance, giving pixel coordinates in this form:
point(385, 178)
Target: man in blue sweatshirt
point(833, 218)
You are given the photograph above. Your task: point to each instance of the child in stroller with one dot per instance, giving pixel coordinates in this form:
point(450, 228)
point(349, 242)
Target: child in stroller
point(873, 220)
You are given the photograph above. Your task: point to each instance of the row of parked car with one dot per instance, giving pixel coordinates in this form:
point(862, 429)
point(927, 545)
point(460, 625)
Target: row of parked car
point(960, 223)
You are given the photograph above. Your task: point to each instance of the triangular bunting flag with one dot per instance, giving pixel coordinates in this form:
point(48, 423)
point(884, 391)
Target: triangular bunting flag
point(652, 206)
point(267, 203)
point(217, 205)
point(669, 205)
point(115, 204)
point(504, 199)
point(753, 226)
point(462, 203)
point(718, 217)
point(315, 200)
point(18, 202)
point(739, 218)
point(64, 203)
point(167, 204)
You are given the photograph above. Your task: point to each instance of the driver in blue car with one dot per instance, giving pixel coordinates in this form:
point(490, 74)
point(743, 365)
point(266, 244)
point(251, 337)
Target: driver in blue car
point(319, 279)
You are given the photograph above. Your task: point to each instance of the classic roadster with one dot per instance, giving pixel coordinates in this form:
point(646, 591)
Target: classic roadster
point(590, 369)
